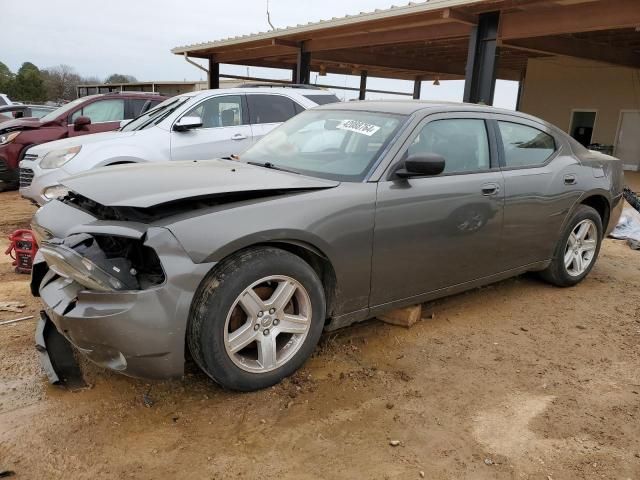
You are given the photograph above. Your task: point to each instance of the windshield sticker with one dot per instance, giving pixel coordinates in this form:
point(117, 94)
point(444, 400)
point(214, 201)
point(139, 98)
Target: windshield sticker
point(358, 127)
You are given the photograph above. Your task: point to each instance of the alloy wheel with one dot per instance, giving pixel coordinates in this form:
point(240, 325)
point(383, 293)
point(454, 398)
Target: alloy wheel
point(267, 324)
point(581, 248)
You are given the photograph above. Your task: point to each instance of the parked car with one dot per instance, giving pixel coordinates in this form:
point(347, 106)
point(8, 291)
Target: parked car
point(246, 262)
point(195, 126)
point(9, 112)
point(39, 111)
point(5, 100)
point(92, 114)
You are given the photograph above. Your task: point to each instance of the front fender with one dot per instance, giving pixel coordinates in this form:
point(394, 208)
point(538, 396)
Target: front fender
point(337, 222)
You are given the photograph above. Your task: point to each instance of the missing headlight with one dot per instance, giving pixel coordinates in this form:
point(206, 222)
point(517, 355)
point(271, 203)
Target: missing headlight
point(104, 262)
point(142, 261)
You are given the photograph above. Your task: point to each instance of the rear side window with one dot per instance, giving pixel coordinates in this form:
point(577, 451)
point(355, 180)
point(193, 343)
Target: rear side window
point(111, 110)
point(322, 99)
point(270, 108)
point(462, 142)
point(525, 146)
point(220, 111)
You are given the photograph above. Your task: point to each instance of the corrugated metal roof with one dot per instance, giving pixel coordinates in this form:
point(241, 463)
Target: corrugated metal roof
point(378, 14)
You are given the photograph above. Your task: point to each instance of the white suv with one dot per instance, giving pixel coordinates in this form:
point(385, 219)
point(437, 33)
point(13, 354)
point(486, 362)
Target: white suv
point(195, 126)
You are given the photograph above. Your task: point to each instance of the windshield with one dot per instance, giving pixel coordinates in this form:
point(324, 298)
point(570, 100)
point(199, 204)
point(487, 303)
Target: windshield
point(334, 144)
point(155, 115)
point(51, 116)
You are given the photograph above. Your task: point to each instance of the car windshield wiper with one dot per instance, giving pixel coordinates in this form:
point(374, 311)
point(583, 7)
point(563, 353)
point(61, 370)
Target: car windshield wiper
point(273, 167)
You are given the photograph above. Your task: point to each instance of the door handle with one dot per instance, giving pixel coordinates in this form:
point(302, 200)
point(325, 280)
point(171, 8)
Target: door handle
point(570, 180)
point(238, 136)
point(489, 189)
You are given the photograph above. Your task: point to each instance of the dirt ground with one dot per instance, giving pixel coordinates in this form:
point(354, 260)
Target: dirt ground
point(518, 380)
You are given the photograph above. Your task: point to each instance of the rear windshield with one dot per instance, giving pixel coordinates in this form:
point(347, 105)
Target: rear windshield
point(322, 99)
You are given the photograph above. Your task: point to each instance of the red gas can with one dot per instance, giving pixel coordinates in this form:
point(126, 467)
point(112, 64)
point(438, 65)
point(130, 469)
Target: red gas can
point(23, 248)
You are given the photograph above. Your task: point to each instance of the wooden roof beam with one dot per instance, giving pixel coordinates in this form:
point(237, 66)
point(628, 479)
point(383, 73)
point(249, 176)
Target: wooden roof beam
point(574, 47)
point(253, 54)
point(573, 18)
point(368, 61)
point(388, 37)
point(285, 43)
point(458, 16)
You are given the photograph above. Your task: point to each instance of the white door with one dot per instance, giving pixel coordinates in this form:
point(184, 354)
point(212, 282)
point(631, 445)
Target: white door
point(225, 130)
point(628, 140)
point(267, 111)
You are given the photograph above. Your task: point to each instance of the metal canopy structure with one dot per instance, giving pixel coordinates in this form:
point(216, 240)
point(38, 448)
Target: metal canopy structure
point(476, 40)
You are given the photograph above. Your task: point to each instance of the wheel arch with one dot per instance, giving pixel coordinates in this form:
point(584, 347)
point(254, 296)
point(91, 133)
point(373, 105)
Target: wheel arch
point(600, 203)
point(307, 252)
point(317, 260)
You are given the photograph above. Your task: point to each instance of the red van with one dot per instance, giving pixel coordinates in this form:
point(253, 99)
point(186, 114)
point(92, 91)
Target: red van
point(91, 114)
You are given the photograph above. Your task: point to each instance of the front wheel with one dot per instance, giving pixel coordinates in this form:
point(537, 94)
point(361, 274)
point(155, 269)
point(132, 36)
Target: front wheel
point(577, 249)
point(256, 318)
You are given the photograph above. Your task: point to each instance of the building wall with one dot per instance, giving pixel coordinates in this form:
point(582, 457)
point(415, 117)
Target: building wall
point(554, 86)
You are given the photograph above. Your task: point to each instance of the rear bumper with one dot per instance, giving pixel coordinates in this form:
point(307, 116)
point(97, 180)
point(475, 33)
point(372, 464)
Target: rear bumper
point(140, 333)
point(614, 217)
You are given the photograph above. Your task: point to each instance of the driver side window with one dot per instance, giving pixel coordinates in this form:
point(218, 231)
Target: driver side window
point(462, 142)
point(224, 111)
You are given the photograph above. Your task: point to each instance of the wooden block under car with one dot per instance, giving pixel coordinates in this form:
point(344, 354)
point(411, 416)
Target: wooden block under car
point(404, 317)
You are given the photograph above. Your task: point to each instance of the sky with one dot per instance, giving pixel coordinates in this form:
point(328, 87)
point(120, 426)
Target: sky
point(135, 37)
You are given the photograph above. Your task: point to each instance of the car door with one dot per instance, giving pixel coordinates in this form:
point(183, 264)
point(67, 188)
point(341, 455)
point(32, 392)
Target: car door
point(225, 130)
point(542, 182)
point(105, 114)
point(439, 231)
point(267, 111)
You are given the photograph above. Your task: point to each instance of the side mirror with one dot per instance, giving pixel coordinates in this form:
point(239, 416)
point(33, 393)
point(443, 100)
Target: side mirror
point(187, 123)
point(81, 123)
point(422, 165)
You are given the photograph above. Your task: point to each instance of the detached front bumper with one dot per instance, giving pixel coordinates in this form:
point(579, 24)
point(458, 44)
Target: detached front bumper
point(140, 333)
point(8, 175)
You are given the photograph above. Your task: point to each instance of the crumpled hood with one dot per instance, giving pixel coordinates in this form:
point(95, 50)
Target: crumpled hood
point(13, 124)
point(151, 184)
point(79, 140)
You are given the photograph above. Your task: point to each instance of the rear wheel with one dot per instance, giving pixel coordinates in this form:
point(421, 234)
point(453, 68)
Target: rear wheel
point(577, 249)
point(256, 318)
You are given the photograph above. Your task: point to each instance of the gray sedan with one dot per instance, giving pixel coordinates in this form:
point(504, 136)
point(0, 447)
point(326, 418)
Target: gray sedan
point(342, 213)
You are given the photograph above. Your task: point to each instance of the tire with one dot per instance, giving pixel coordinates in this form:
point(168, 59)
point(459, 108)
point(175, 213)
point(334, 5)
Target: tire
point(563, 270)
point(234, 304)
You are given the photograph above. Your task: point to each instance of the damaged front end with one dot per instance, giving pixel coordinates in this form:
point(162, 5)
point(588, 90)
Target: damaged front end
point(103, 263)
point(118, 292)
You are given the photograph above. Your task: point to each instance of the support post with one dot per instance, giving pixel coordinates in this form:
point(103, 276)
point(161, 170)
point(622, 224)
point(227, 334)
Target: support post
point(303, 67)
point(363, 85)
point(294, 74)
point(523, 77)
point(480, 78)
point(417, 88)
point(214, 74)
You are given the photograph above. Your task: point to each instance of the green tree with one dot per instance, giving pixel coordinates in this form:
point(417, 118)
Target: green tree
point(28, 84)
point(119, 78)
point(6, 78)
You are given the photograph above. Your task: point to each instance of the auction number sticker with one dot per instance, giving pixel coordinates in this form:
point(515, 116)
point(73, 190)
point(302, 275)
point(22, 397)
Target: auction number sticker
point(356, 126)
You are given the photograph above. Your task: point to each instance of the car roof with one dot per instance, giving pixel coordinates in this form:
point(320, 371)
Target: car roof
point(409, 107)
